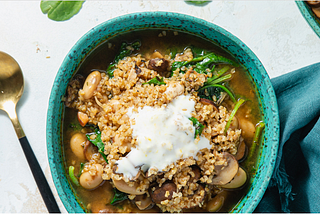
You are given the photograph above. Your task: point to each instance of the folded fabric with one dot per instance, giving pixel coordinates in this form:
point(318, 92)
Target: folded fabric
point(295, 183)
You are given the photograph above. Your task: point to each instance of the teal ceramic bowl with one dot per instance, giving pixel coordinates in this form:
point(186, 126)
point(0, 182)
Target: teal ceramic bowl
point(312, 20)
point(178, 22)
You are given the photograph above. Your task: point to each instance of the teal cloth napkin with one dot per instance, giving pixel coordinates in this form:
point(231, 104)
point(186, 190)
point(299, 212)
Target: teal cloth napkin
point(295, 183)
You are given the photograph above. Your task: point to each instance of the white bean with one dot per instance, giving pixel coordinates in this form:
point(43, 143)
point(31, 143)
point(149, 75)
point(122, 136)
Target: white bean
point(91, 84)
point(77, 144)
point(88, 181)
point(247, 127)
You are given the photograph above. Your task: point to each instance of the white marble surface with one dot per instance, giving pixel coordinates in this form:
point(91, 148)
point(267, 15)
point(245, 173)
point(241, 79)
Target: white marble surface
point(274, 30)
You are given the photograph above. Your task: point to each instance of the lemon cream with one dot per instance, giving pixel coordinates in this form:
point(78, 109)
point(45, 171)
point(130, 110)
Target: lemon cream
point(164, 135)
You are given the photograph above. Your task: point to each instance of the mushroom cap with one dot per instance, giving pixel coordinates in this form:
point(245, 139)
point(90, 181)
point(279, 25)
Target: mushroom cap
point(224, 174)
point(122, 186)
point(143, 202)
point(238, 181)
point(160, 193)
point(242, 151)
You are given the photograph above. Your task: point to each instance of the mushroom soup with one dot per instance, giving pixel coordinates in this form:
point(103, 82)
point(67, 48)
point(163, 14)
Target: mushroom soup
point(160, 121)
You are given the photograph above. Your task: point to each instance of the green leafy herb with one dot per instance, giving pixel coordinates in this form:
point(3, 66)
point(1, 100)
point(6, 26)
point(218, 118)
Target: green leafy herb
point(60, 10)
point(81, 168)
point(72, 177)
point(156, 81)
point(118, 196)
point(198, 126)
point(203, 62)
point(98, 143)
point(125, 50)
point(256, 138)
point(75, 126)
point(197, 2)
point(234, 111)
point(222, 87)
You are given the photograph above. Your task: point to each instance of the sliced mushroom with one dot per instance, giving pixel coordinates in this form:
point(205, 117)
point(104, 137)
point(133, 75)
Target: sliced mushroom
point(163, 193)
point(156, 54)
point(196, 173)
point(315, 3)
point(242, 151)
point(224, 174)
point(238, 181)
point(247, 127)
point(115, 169)
point(316, 11)
point(160, 65)
point(215, 204)
point(143, 202)
point(122, 186)
point(209, 102)
point(89, 150)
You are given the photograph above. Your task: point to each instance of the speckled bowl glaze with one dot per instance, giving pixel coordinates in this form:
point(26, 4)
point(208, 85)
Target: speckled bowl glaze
point(309, 16)
point(173, 21)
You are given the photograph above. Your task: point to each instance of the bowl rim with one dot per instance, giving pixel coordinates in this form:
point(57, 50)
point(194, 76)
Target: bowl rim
point(309, 16)
point(55, 102)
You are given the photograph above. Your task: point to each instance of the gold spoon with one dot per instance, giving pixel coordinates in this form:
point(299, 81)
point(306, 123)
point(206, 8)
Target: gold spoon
point(11, 89)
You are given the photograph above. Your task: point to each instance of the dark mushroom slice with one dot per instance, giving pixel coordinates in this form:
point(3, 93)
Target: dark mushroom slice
point(314, 3)
point(89, 150)
point(209, 102)
point(195, 174)
point(242, 151)
point(143, 202)
point(224, 174)
point(161, 193)
point(160, 65)
point(215, 204)
point(238, 181)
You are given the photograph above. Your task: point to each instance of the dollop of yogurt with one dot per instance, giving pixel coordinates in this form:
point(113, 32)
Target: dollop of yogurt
point(164, 135)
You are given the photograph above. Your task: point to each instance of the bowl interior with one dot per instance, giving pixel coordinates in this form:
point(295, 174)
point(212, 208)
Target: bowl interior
point(172, 21)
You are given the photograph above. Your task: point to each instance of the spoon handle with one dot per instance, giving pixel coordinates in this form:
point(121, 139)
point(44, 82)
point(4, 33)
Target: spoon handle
point(34, 165)
point(38, 175)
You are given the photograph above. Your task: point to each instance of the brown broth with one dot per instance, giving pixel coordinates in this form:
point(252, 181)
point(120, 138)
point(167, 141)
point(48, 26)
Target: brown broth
point(241, 85)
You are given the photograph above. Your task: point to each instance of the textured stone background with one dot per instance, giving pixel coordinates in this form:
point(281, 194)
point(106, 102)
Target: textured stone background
point(274, 30)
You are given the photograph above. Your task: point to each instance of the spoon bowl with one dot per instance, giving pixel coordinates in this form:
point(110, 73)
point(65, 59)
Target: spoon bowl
point(11, 89)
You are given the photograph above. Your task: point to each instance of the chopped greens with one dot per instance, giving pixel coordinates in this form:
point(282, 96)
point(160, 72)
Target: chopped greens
point(72, 176)
point(197, 2)
point(198, 126)
point(118, 196)
point(97, 142)
point(256, 138)
point(156, 81)
point(60, 10)
point(234, 111)
point(203, 62)
point(81, 168)
point(126, 49)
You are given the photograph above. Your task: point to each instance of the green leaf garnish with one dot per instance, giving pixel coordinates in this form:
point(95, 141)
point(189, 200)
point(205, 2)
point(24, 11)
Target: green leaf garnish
point(198, 126)
point(197, 2)
point(234, 111)
point(72, 176)
point(156, 81)
point(123, 52)
point(60, 10)
point(118, 196)
point(98, 143)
